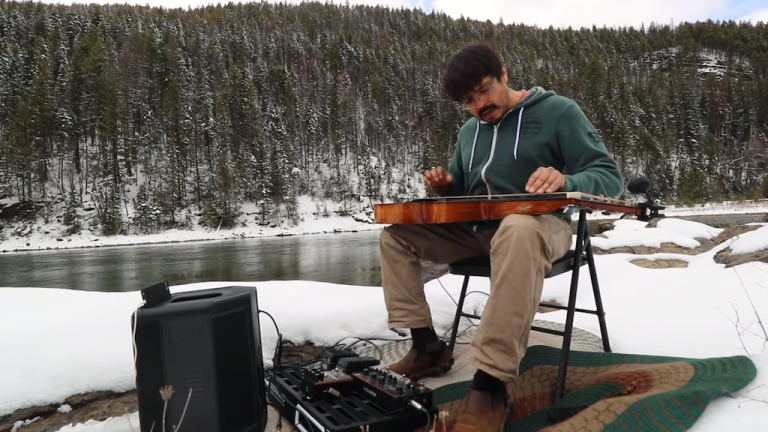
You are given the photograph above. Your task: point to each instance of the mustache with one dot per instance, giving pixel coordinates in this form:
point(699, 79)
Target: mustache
point(486, 109)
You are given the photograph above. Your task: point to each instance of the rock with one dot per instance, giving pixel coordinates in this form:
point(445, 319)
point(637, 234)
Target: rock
point(725, 257)
point(765, 219)
point(432, 271)
point(705, 245)
point(654, 222)
point(97, 406)
point(733, 231)
point(365, 216)
point(604, 226)
point(21, 210)
point(658, 264)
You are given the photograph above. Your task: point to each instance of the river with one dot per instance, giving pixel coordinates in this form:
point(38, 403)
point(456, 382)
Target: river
point(345, 258)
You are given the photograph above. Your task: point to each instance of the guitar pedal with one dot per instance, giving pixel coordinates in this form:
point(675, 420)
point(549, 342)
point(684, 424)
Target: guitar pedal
point(318, 384)
point(392, 391)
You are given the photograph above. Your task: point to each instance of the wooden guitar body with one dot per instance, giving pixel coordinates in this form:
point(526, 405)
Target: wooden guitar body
point(480, 208)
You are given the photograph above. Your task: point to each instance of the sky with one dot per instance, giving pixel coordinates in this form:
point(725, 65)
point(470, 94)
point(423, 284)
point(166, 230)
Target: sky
point(545, 13)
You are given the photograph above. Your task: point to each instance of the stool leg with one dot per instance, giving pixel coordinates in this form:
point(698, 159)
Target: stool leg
point(567, 334)
point(598, 298)
point(571, 311)
point(459, 308)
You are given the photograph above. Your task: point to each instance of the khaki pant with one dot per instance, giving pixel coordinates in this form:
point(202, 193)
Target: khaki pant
point(522, 250)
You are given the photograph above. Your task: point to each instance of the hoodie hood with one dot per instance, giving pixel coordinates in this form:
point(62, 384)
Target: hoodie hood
point(535, 94)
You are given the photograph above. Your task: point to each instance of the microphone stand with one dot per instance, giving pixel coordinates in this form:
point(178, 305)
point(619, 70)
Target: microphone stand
point(650, 208)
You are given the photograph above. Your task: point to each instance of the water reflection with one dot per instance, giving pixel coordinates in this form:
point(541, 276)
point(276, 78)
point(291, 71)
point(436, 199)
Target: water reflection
point(347, 258)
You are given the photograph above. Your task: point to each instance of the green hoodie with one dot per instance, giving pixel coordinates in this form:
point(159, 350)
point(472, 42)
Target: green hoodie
point(543, 130)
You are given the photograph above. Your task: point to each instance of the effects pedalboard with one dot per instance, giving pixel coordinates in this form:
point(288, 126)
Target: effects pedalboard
point(348, 393)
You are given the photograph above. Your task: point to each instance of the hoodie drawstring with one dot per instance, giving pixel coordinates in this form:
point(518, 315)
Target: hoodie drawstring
point(517, 137)
point(474, 143)
point(477, 131)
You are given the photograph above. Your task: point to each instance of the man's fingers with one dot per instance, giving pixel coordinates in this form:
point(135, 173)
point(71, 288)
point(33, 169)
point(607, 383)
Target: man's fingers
point(544, 180)
point(551, 184)
point(545, 187)
point(554, 182)
point(547, 179)
point(536, 176)
point(437, 177)
point(537, 180)
point(554, 186)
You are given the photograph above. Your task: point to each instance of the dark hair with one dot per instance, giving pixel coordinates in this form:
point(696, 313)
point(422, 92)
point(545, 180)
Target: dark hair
point(467, 68)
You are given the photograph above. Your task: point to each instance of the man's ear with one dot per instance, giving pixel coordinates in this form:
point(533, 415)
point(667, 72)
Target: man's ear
point(504, 77)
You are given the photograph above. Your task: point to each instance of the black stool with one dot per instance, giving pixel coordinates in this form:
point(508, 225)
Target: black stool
point(572, 261)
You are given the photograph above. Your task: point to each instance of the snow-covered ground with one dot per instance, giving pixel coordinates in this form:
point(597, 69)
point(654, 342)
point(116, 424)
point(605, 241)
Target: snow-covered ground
point(48, 237)
point(63, 342)
point(726, 207)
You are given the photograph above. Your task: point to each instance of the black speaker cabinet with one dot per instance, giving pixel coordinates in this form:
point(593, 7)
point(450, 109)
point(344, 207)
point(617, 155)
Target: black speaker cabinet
point(210, 342)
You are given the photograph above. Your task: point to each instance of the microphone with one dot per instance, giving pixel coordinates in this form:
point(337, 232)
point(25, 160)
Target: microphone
point(639, 185)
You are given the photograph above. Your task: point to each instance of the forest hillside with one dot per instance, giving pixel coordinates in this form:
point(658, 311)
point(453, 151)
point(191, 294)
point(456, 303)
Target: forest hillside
point(144, 118)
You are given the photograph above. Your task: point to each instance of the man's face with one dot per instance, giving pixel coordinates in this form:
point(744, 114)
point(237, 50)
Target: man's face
point(488, 101)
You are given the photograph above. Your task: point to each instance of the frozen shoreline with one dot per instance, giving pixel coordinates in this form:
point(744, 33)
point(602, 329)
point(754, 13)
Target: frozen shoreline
point(136, 240)
point(50, 237)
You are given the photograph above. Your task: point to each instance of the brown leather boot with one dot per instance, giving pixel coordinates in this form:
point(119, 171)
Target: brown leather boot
point(483, 412)
point(437, 360)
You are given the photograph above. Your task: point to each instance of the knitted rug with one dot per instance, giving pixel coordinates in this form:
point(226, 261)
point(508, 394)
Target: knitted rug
point(610, 392)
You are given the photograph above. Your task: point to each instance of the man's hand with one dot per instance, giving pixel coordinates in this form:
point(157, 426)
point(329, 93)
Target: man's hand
point(545, 180)
point(437, 178)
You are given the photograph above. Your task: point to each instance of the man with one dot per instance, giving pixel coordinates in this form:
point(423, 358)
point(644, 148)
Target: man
point(517, 142)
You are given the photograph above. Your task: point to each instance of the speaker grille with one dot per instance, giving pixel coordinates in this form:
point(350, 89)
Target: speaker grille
point(235, 384)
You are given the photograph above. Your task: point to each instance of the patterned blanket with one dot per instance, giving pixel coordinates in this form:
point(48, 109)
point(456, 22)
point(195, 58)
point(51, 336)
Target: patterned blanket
point(611, 392)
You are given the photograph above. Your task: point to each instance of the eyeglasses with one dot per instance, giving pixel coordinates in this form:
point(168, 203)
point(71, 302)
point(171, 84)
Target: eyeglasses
point(480, 95)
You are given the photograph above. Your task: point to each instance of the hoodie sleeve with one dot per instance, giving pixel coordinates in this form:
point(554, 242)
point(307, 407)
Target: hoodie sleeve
point(588, 167)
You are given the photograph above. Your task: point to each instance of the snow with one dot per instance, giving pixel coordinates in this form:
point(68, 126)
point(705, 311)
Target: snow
point(630, 232)
point(688, 228)
point(752, 241)
point(705, 310)
point(313, 214)
point(726, 207)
